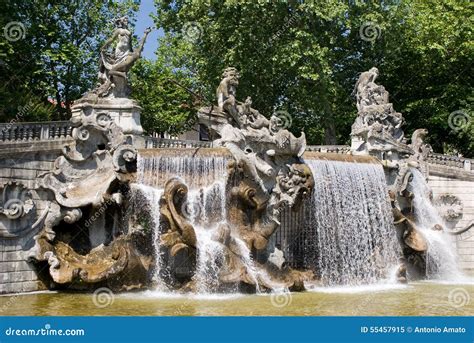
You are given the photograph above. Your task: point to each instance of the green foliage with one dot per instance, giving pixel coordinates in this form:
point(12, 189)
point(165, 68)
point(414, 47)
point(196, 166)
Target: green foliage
point(306, 56)
point(167, 106)
point(300, 56)
point(56, 58)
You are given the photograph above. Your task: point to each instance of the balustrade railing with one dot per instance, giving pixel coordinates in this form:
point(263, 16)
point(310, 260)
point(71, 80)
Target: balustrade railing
point(451, 161)
point(338, 149)
point(56, 130)
point(153, 143)
point(41, 131)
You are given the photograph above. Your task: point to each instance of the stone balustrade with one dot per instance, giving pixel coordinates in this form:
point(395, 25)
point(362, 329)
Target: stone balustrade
point(56, 130)
point(153, 143)
point(41, 131)
point(451, 161)
point(338, 149)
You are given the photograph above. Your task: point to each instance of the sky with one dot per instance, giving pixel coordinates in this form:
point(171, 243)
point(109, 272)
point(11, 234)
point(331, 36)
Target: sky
point(143, 21)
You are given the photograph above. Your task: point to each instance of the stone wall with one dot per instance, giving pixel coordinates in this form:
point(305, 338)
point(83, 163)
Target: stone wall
point(26, 151)
point(22, 168)
point(449, 181)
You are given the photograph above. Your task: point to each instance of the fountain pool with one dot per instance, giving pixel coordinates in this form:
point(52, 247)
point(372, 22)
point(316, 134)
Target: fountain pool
point(421, 298)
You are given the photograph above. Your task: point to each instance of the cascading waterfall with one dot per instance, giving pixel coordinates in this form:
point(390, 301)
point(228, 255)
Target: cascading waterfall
point(205, 209)
point(205, 177)
point(441, 259)
point(350, 235)
point(151, 196)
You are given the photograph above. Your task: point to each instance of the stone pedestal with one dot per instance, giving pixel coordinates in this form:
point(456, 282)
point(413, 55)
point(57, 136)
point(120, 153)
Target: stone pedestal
point(123, 111)
point(358, 146)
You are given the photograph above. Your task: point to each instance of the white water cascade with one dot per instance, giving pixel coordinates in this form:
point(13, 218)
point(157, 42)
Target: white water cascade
point(205, 209)
point(441, 259)
point(351, 239)
point(151, 196)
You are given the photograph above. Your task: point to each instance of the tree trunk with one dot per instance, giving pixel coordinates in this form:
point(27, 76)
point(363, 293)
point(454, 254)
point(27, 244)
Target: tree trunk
point(330, 137)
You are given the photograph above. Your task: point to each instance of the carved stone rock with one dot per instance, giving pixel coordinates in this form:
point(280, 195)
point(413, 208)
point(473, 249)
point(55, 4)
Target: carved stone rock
point(377, 128)
point(87, 184)
point(449, 206)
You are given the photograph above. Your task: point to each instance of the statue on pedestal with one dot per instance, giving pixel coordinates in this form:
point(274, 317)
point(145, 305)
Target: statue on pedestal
point(113, 67)
point(377, 129)
point(90, 180)
point(111, 95)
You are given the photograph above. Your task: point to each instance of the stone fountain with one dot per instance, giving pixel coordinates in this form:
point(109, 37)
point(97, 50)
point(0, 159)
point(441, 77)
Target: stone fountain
point(255, 210)
point(377, 131)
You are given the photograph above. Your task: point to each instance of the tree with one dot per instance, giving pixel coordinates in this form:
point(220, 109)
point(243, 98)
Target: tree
point(304, 57)
point(49, 52)
point(161, 92)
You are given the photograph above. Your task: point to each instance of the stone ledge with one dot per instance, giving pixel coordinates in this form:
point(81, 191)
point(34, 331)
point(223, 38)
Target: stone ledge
point(21, 287)
point(15, 148)
point(13, 256)
point(450, 172)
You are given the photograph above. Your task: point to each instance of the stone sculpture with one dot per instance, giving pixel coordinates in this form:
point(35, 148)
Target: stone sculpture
point(377, 131)
point(113, 67)
point(267, 173)
point(85, 181)
point(17, 209)
point(377, 128)
point(89, 183)
point(268, 154)
point(111, 96)
point(449, 206)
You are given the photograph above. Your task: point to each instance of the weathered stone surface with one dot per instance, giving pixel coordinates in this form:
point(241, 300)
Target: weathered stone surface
point(78, 169)
point(114, 66)
point(377, 128)
point(268, 173)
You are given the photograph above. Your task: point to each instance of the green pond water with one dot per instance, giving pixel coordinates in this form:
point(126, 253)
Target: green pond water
point(422, 298)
